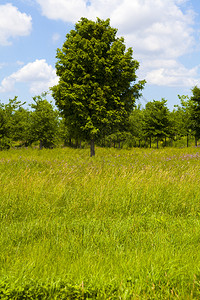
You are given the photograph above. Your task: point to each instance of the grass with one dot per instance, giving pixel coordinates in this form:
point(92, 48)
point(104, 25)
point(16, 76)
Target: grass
point(122, 225)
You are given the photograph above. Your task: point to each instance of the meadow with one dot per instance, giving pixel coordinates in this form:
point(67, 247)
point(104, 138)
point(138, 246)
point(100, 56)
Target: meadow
point(124, 224)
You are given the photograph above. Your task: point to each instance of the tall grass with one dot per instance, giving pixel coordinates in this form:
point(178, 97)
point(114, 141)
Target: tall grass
point(124, 224)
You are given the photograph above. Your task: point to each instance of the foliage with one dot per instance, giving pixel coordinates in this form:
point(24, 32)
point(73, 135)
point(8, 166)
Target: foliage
point(44, 122)
point(195, 111)
point(21, 130)
point(9, 123)
point(20, 126)
point(180, 117)
point(97, 86)
point(136, 124)
point(156, 119)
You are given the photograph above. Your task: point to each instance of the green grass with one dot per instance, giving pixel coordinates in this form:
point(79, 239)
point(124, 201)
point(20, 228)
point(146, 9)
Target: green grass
point(122, 225)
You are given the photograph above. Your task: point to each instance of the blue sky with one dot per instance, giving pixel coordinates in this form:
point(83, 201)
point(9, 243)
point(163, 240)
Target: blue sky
point(164, 35)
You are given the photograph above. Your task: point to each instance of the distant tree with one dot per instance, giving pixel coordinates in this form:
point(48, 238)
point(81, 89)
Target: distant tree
point(136, 124)
point(7, 122)
point(4, 129)
point(181, 119)
point(97, 82)
point(195, 112)
point(63, 132)
point(118, 138)
point(44, 122)
point(67, 136)
point(156, 120)
point(21, 130)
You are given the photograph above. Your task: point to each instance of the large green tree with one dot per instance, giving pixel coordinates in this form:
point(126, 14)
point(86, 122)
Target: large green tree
point(97, 82)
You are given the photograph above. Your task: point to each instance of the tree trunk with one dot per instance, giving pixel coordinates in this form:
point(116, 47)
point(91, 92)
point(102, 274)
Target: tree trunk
point(65, 143)
point(187, 140)
point(70, 142)
point(157, 143)
point(195, 141)
point(41, 145)
point(92, 148)
point(150, 142)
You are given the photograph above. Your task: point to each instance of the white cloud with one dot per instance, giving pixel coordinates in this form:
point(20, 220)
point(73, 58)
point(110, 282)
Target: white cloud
point(73, 10)
point(38, 75)
point(13, 23)
point(65, 10)
point(171, 73)
point(158, 30)
point(155, 27)
point(150, 26)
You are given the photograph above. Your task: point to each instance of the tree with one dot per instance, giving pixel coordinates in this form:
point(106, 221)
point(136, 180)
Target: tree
point(63, 132)
point(44, 122)
point(195, 112)
point(156, 120)
point(21, 132)
point(97, 82)
point(181, 119)
point(8, 122)
point(4, 129)
point(136, 124)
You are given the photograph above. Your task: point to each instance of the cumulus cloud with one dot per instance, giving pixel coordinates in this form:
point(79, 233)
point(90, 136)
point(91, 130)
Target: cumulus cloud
point(38, 75)
point(173, 74)
point(13, 23)
point(150, 26)
point(158, 30)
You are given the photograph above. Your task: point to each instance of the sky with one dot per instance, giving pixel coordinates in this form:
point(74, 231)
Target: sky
point(164, 35)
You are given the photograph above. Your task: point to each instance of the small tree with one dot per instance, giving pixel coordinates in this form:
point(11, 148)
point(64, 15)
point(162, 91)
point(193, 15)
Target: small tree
point(136, 124)
point(4, 129)
point(97, 82)
point(63, 132)
point(44, 122)
point(21, 130)
point(8, 130)
point(181, 119)
point(195, 112)
point(156, 120)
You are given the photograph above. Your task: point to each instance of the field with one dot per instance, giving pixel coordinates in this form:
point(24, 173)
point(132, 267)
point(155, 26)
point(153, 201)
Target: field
point(122, 225)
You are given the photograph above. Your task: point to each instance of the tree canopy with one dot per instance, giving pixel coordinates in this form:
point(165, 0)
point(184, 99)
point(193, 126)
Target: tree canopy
point(157, 121)
point(195, 111)
point(97, 85)
point(44, 121)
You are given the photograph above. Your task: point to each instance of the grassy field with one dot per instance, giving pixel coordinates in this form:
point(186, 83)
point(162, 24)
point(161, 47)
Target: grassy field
point(122, 225)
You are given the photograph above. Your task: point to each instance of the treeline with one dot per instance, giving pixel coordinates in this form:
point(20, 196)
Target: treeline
point(43, 126)
point(155, 123)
